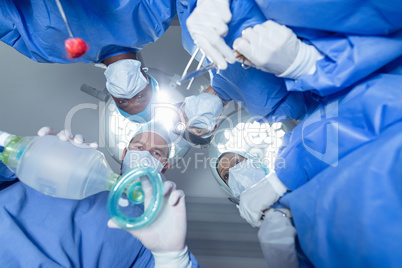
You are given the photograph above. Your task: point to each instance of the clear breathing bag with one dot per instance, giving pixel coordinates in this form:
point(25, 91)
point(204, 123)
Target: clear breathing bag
point(67, 170)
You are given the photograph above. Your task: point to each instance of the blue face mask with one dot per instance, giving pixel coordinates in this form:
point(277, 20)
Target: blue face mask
point(144, 116)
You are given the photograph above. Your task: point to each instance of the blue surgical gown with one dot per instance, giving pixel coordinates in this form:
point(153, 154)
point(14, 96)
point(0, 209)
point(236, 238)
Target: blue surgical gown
point(366, 17)
point(111, 27)
point(350, 216)
point(347, 60)
point(356, 38)
point(343, 165)
point(340, 126)
point(5, 173)
point(42, 231)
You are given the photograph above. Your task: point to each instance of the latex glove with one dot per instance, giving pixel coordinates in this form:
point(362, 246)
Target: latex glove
point(260, 197)
point(66, 135)
point(207, 25)
point(274, 48)
point(277, 238)
point(165, 236)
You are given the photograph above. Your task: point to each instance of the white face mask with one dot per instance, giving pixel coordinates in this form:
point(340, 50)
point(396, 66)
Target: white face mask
point(244, 175)
point(140, 158)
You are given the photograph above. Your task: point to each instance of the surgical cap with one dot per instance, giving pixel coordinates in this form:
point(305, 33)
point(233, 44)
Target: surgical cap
point(158, 128)
point(203, 110)
point(124, 78)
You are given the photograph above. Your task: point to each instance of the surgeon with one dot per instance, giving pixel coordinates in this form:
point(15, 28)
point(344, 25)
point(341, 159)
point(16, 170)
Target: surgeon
point(133, 90)
point(115, 31)
point(200, 115)
point(36, 232)
point(151, 146)
point(238, 172)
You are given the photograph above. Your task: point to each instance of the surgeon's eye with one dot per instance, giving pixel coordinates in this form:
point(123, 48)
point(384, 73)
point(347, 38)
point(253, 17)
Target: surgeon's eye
point(140, 96)
point(198, 131)
point(157, 154)
point(122, 101)
point(226, 178)
point(234, 161)
point(139, 147)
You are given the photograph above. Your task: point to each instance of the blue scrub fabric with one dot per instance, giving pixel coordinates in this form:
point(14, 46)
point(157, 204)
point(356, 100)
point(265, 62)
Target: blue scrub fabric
point(366, 17)
point(343, 167)
point(111, 27)
point(350, 215)
point(5, 173)
point(352, 51)
point(356, 38)
point(347, 60)
point(42, 231)
point(261, 94)
point(339, 127)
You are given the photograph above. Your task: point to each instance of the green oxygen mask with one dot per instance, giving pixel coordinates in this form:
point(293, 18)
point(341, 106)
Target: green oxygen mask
point(67, 170)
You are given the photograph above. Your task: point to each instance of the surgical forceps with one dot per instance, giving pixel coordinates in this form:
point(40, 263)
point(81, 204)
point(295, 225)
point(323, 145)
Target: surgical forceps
point(199, 71)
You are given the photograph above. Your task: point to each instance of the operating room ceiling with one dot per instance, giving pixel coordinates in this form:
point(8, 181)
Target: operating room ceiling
point(33, 95)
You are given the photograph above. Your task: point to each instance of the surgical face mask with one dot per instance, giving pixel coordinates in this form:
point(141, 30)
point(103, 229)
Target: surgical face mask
point(244, 175)
point(140, 158)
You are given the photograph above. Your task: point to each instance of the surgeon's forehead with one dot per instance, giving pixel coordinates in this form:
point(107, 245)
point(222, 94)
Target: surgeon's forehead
point(224, 161)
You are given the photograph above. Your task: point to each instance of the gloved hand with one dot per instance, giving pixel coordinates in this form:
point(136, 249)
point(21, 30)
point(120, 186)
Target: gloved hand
point(165, 236)
point(274, 48)
point(277, 238)
point(66, 135)
point(260, 197)
point(207, 25)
